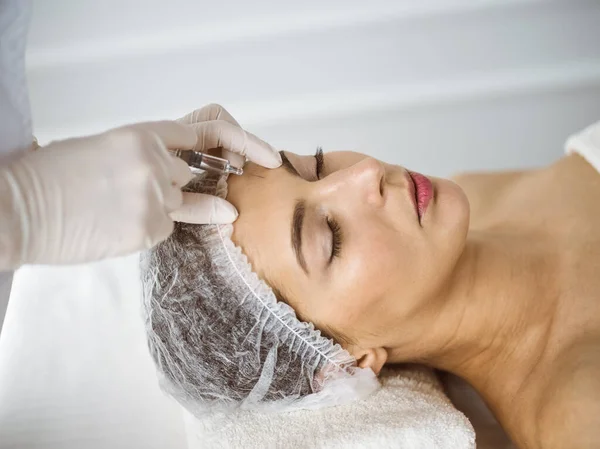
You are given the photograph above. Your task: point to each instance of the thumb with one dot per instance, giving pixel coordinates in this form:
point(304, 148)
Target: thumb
point(199, 208)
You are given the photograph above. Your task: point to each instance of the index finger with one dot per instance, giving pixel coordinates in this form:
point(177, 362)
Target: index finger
point(220, 133)
point(215, 111)
point(181, 173)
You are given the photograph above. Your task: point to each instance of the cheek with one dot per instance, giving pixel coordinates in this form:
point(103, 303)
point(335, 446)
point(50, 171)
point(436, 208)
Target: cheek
point(387, 275)
point(389, 258)
point(358, 291)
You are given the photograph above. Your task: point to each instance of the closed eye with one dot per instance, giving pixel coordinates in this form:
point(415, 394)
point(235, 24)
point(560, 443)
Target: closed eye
point(336, 238)
point(320, 162)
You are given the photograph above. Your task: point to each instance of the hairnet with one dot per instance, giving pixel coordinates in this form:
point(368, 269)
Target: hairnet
point(221, 340)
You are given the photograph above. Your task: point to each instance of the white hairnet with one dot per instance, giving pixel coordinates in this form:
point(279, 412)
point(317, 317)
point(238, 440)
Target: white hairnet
point(220, 339)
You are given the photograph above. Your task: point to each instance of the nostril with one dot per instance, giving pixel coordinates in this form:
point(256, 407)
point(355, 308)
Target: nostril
point(382, 185)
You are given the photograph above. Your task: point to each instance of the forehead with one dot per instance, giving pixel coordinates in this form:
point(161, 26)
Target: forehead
point(265, 201)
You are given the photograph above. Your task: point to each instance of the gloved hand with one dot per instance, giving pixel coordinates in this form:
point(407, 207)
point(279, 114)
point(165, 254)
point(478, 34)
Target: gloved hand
point(216, 127)
point(107, 195)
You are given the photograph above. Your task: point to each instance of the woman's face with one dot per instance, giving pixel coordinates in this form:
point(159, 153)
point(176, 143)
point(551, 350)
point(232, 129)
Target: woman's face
point(340, 238)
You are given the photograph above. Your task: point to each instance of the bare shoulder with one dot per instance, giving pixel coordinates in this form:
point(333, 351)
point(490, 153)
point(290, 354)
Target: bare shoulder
point(569, 414)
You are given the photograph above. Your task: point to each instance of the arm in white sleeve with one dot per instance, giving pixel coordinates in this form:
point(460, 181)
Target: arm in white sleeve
point(10, 243)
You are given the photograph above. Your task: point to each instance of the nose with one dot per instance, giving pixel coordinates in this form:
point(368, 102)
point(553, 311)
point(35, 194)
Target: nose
point(363, 181)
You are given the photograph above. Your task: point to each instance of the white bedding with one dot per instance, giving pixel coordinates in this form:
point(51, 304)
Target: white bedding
point(74, 369)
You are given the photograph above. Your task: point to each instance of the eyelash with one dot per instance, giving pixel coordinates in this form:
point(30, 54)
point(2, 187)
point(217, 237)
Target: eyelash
point(336, 232)
point(320, 161)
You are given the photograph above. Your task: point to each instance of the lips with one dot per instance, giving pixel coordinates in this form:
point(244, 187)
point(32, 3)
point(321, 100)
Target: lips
point(422, 190)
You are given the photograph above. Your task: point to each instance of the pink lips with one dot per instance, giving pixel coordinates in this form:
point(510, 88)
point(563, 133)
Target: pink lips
point(422, 190)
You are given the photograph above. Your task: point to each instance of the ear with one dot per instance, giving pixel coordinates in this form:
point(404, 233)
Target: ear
point(373, 358)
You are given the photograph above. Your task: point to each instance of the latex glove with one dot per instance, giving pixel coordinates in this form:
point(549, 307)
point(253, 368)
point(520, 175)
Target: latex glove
point(89, 198)
point(215, 127)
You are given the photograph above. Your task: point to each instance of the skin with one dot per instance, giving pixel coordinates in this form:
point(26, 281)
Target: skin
point(498, 284)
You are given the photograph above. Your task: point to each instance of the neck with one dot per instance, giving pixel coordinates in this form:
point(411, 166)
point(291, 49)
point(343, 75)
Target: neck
point(495, 315)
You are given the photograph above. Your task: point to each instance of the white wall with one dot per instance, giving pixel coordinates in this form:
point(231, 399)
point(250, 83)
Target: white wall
point(438, 85)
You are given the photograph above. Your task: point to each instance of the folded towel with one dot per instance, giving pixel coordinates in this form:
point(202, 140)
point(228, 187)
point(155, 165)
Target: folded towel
point(410, 411)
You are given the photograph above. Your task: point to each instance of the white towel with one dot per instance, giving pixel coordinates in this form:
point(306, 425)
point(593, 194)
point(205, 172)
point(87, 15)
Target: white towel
point(410, 411)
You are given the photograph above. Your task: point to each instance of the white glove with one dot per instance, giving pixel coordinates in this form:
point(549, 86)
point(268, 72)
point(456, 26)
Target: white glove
point(215, 127)
point(107, 195)
point(88, 198)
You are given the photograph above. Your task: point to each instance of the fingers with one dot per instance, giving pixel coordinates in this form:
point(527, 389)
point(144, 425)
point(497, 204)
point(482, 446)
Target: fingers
point(215, 112)
point(199, 208)
point(173, 135)
point(181, 173)
point(220, 133)
point(159, 230)
point(237, 160)
point(180, 176)
point(159, 224)
point(171, 173)
point(207, 113)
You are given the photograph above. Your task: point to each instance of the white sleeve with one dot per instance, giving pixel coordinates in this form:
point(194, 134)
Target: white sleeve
point(587, 144)
point(15, 115)
point(5, 284)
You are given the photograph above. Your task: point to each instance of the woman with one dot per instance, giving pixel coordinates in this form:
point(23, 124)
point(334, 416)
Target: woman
point(492, 277)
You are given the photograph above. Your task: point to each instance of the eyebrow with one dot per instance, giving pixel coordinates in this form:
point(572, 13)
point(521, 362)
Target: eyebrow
point(285, 163)
point(297, 223)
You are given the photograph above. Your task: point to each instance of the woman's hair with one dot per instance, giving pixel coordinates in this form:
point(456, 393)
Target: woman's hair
point(220, 339)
